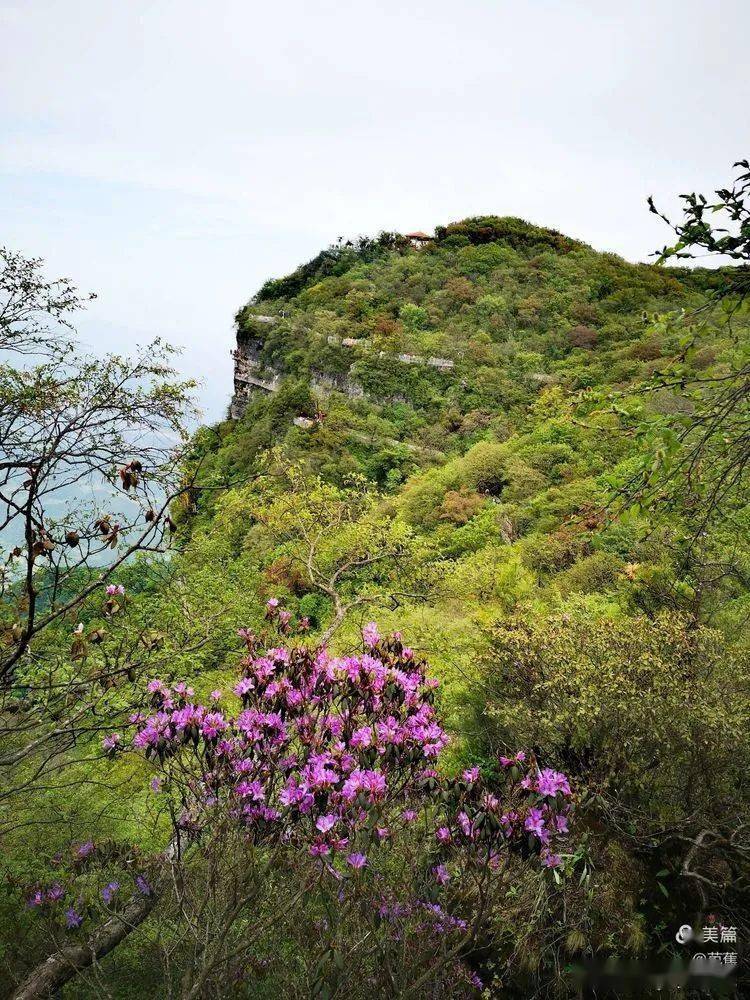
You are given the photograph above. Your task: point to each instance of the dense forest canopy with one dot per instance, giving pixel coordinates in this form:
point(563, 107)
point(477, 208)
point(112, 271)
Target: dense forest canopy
point(443, 688)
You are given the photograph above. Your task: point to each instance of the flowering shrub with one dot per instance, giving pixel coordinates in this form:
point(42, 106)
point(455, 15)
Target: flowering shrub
point(321, 772)
point(64, 900)
point(333, 754)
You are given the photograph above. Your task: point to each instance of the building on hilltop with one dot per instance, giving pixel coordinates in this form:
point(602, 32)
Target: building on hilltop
point(418, 239)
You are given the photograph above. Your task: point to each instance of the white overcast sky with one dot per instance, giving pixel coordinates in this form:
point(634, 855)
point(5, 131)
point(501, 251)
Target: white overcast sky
point(171, 155)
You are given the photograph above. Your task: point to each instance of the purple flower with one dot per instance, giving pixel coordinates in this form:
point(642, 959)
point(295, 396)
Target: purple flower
point(467, 827)
point(55, 892)
point(36, 898)
point(361, 738)
point(251, 789)
point(142, 885)
point(344, 741)
point(552, 860)
point(551, 782)
point(213, 724)
point(109, 891)
point(441, 874)
point(115, 590)
point(72, 918)
point(84, 850)
point(535, 822)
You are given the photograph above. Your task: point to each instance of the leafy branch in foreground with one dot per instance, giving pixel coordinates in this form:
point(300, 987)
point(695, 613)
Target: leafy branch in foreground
point(696, 454)
point(695, 231)
point(32, 308)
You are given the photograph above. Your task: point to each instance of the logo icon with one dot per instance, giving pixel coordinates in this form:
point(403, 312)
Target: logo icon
point(684, 934)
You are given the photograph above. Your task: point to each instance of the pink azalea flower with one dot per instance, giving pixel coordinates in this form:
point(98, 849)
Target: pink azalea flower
point(252, 790)
point(371, 635)
point(534, 822)
point(356, 860)
point(551, 782)
point(465, 824)
point(324, 823)
point(361, 737)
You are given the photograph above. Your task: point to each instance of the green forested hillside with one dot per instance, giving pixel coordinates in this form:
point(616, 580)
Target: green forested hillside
point(549, 559)
point(556, 521)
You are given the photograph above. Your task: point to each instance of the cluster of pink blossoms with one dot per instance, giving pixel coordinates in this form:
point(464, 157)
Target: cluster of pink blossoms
point(334, 753)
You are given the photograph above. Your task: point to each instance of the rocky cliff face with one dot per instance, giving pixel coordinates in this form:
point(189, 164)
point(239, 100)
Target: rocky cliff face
point(252, 376)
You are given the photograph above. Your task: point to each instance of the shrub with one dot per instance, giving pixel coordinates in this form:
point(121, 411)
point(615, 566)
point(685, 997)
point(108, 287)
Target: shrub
point(582, 336)
point(648, 711)
point(413, 317)
point(311, 791)
point(483, 467)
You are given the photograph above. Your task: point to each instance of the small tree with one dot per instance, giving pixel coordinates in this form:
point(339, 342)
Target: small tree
point(90, 461)
point(73, 428)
